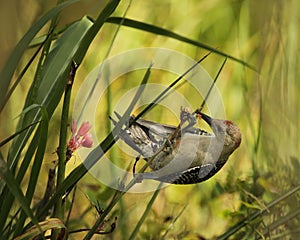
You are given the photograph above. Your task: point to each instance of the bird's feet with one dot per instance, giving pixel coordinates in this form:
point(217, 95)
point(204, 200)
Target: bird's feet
point(187, 116)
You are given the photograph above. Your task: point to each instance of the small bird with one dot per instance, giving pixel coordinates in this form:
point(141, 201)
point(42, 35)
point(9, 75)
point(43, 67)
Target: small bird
point(182, 154)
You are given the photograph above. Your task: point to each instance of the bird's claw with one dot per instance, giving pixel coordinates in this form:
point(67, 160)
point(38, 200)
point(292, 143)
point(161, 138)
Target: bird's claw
point(187, 116)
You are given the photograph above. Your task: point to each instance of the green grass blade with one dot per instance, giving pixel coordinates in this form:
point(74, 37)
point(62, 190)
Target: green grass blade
point(14, 188)
point(101, 19)
point(52, 223)
point(146, 212)
point(50, 90)
point(62, 148)
point(255, 215)
point(6, 197)
point(53, 81)
point(24, 70)
point(10, 66)
point(211, 86)
point(164, 32)
point(173, 222)
point(169, 88)
point(8, 139)
point(96, 154)
point(36, 167)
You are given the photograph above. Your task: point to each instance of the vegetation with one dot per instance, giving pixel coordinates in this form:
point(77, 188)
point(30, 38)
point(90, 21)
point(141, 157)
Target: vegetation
point(47, 189)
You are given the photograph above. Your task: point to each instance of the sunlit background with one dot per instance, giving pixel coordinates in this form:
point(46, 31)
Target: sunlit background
point(263, 103)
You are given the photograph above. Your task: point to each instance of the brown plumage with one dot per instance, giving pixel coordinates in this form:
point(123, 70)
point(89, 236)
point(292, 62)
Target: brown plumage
point(191, 156)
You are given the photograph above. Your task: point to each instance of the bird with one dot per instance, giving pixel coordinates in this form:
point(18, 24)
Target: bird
point(182, 154)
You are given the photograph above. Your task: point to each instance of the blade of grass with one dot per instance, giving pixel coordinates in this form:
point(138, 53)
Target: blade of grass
point(97, 153)
point(101, 19)
point(14, 188)
point(255, 215)
point(53, 81)
point(173, 222)
point(19, 78)
point(52, 85)
point(10, 66)
point(6, 198)
point(283, 220)
point(33, 91)
point(164, 32)
point(8, 139)
point(52, 223)
point(169, 88)
point(112, 154)
point(42, 132)
point(211, 87)
point(62, 149)
point(146, 212)
point(108, 95)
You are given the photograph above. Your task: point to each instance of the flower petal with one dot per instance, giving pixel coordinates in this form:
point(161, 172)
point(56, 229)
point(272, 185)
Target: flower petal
point(84, 128)
point(87, 141)
point(74, 126)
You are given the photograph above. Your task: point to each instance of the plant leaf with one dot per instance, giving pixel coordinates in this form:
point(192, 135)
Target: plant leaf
point(14, 188)
point(10, 66)
point(164, 32)
point(51, 223)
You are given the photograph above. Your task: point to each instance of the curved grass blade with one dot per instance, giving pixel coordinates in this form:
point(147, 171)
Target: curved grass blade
point(98, 23)
point(97, 153)
point(53, 81)
point(11, 137)
point(14, 188)
point(24, 70)
point(51, 88)
point(164, 32)
point(10, 66)
point(231, 231)
point(52, 223)
point(36, 167)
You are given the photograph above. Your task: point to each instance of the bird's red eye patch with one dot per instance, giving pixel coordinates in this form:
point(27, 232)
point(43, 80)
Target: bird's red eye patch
point(228, 122)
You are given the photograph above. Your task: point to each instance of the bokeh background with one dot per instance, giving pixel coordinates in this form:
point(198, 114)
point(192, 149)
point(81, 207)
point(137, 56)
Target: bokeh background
point(263, 102)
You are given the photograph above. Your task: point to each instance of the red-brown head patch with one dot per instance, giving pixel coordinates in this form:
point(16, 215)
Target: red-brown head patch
point(227, 122)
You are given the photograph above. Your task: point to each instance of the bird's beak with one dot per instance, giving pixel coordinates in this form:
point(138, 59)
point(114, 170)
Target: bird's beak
point(206, 118)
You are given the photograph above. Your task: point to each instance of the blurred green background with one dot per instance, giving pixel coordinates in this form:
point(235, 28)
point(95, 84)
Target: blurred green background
point(265, 104)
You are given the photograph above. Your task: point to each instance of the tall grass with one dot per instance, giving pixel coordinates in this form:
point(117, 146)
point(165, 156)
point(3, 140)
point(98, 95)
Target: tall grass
point(254, 196)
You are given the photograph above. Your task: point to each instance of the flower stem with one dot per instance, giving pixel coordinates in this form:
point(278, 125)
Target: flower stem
point(62, 149)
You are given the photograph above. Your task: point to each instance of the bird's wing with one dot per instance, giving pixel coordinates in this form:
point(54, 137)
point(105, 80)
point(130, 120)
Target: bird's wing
point(146, 137)
point(162, 130)
point(127, 138)
point(143, 136)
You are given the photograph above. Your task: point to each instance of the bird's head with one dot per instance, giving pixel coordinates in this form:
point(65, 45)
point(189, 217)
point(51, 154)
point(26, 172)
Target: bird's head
point(224, 130)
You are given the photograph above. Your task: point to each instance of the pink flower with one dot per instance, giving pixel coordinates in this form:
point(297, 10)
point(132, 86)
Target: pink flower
point(80, 138)
point(84, 129)
point(87, 140)
point(74, 126)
